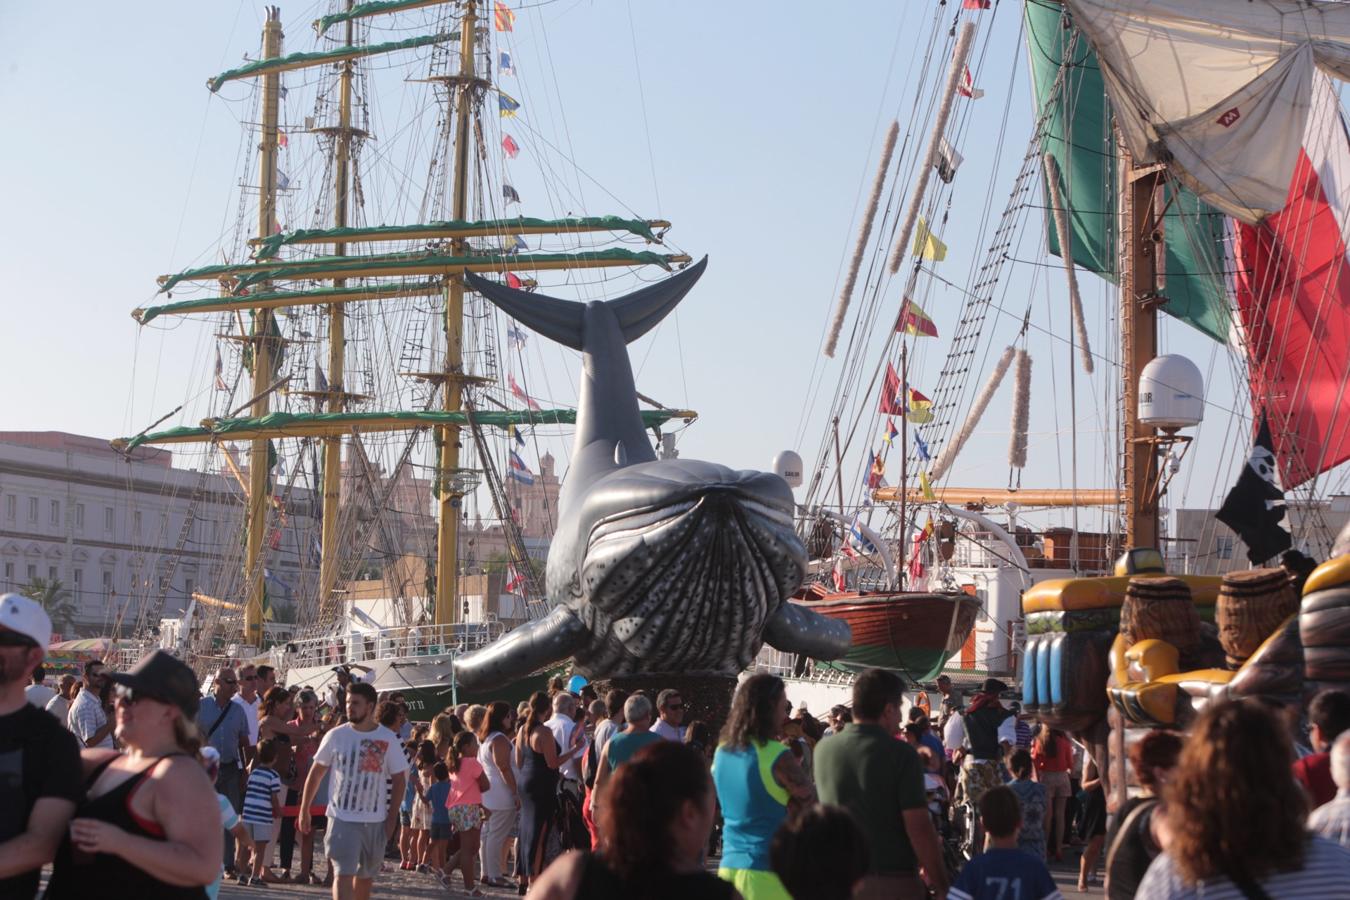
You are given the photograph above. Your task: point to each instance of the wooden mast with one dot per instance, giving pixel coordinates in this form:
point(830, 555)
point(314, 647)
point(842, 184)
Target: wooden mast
point(1141, 245)
point(330, 551)
point(450, 496)
point(904, 460)
point(260, 496)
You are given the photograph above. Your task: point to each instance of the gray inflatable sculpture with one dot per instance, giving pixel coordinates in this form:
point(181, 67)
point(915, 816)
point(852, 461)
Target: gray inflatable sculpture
point(657, 566)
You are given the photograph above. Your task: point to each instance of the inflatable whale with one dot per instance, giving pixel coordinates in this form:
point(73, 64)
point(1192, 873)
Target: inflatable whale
point(657, 566)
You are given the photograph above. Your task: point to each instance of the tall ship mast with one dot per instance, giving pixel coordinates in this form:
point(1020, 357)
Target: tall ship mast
point(357, 358)
point(1131, 230)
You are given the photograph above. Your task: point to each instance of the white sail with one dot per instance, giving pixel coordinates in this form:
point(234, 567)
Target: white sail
point(1219, 90)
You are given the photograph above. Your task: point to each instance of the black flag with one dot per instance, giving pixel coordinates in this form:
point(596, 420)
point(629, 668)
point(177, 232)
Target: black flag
point(1255, 508)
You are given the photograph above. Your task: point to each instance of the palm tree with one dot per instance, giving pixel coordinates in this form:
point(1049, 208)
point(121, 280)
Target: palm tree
point(55, 599)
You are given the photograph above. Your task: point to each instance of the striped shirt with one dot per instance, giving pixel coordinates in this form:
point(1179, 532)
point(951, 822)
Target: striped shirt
point(86, 717)
point(263, 784)
point(1325, 873)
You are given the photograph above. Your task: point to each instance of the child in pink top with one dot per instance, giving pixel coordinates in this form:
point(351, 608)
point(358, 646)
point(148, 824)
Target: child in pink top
point(467, 783)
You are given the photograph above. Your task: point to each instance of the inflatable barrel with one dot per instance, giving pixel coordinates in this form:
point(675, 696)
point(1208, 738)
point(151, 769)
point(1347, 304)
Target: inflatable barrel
point(1324, 626)
point(1252, 605)
point(1160, 608)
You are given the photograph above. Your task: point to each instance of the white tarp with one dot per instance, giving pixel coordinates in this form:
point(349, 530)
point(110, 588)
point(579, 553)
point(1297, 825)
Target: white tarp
point(1220, 89)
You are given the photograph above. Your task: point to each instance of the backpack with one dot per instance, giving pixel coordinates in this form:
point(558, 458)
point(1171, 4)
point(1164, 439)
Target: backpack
point(590, 766)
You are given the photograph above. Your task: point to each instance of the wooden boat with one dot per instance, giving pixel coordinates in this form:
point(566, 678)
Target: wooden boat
point(913, 632)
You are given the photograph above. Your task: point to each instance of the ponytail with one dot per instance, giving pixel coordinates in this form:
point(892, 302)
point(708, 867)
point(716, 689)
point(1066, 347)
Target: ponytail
point(457, 749)
point(187, 736)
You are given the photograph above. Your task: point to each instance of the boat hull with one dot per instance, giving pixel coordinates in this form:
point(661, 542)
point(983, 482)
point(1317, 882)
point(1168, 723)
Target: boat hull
point(911, 632)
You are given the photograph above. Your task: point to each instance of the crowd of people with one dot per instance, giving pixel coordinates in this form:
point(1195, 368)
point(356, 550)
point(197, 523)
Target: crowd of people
point(135, 784)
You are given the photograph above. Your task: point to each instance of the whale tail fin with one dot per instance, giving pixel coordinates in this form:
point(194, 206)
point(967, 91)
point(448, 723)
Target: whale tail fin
point(562, 320)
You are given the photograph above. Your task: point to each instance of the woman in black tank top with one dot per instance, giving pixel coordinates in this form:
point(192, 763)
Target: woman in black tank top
point(654, 825)
point(149, 824)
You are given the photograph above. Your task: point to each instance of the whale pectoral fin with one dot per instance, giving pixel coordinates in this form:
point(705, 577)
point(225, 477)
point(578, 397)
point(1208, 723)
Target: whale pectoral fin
point(794, 629)
point(524, 650)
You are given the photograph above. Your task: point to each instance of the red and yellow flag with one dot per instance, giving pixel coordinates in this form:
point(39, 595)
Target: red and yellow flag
point(914, 320)
point(505, 19)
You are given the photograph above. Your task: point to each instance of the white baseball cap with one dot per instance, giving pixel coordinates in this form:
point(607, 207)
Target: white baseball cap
point(18, 613)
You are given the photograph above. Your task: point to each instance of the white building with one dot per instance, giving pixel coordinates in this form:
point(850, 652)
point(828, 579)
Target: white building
point(114, 530)
point(1205, 546)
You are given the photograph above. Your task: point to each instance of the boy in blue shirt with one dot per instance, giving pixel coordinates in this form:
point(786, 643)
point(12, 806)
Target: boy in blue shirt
point(437, 794)
point(1003, 871)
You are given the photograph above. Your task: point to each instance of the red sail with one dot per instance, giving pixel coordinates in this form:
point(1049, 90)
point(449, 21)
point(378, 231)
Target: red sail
point(1292, 284)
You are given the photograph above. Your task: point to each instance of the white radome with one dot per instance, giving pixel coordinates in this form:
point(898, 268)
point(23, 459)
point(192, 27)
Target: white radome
point(1171, 393)
point(788, 465)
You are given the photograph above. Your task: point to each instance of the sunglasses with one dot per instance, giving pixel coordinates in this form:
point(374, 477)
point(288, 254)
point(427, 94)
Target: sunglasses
point(15, 639)
point(229, 681)
point(131, 696)
point(248, 677)
point(674, 706)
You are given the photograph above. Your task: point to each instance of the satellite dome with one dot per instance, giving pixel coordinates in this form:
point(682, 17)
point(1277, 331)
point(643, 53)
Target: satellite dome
point(788, 464)
point(1171, 393)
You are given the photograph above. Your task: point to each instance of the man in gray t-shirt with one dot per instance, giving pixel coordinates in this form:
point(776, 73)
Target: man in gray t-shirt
point(224, 726)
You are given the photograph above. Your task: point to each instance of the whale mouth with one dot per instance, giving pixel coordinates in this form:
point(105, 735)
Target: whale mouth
point(687, 585)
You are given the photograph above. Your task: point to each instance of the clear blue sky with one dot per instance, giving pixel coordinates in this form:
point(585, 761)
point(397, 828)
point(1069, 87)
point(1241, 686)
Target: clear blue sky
point(756, 128)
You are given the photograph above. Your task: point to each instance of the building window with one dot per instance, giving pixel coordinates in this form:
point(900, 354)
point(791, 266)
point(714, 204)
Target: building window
point(56, 512)
point(107, 585)
point(108, 519)
point(77, 577)
point(136, 523)
point(32, 573)
point(32, 510)
point(79, 515)
point(11, 506)
point(9, 574)
point(1224, 546)
point(51, 574)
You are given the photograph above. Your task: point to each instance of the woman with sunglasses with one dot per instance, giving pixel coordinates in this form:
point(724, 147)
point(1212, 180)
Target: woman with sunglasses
point(145, 827)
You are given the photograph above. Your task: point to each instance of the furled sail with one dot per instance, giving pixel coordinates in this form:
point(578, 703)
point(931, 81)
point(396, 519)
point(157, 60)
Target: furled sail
point(1220, 91)
point(1292, 289)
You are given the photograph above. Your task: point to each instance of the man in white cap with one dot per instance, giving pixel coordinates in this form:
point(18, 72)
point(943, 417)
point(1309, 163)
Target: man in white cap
point(40, 779)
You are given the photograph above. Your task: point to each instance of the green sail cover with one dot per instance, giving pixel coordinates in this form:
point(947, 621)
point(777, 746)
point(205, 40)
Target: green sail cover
point(300, 298)
point(300, 60)
point(651, 418)
point(1078, 135)
point(268, 247)
point(334, 266)
point(362, 10)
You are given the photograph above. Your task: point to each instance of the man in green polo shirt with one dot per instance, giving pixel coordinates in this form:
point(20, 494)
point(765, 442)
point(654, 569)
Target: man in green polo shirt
point(880, 780)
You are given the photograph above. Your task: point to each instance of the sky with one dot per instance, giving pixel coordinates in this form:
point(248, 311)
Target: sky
point(754, 127)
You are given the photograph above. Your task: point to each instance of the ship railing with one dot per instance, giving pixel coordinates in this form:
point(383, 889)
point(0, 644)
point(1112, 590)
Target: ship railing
point(363, 647)
point(786, 665)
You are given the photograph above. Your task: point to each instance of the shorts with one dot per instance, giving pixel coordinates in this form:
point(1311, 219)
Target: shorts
point(977, 776)
point(466, 816)
point(1056, 784)
point(440, 831)
point(356, 848)
point(405, 818)
point(262, 832)
point(755, 884)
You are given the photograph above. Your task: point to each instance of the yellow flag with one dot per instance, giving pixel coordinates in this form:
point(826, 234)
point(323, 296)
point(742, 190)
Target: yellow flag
point(925, 486)
point(927, 245)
